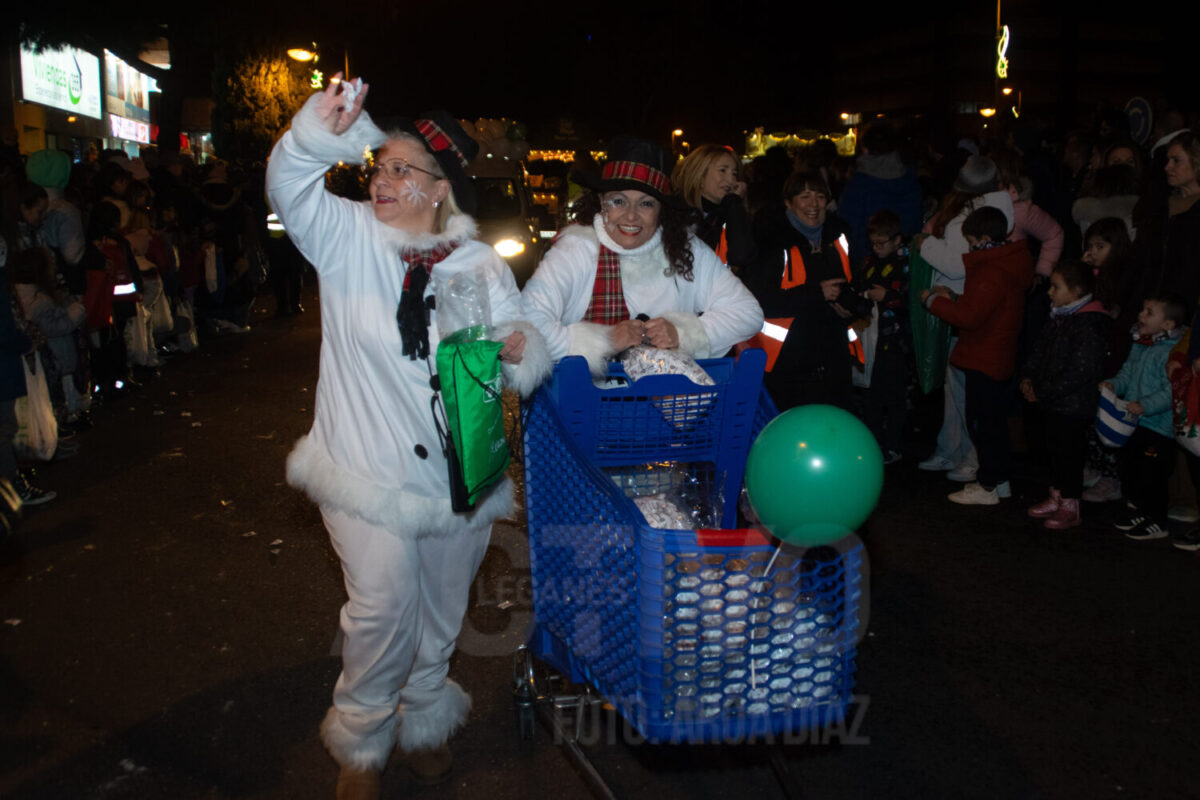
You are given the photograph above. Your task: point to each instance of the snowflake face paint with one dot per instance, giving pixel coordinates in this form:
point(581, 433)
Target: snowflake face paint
point(413, 193)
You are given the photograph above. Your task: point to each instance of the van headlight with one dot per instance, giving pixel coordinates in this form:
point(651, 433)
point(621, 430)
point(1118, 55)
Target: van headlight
point(508, 248)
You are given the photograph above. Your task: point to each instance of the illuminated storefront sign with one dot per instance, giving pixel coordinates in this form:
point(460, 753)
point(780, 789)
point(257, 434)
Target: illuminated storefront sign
point(68, 79)
point(131, 129)
point(1002, 54)
point(126, 91)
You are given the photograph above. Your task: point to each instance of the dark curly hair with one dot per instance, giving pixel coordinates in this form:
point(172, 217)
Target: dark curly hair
point(676, 224)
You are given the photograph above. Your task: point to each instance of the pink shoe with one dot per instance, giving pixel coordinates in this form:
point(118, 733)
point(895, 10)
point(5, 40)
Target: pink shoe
point(1067, 515)
point(1048, 506)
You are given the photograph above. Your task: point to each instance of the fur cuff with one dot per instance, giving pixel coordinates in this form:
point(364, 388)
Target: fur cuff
point(323, 144)
point(693, 339)
point(350, 750)
point(427, 722)
point(535, 364)
point(590, 340)
point(402, 513)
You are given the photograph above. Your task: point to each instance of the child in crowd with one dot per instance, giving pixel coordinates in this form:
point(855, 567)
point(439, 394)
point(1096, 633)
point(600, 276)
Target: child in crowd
point(988, 315)
point(1148, 458)
point(1107, 250)
point(885, 277)
point(1061, 374)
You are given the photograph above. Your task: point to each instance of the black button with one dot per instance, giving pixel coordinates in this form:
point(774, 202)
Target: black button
point(421, 451)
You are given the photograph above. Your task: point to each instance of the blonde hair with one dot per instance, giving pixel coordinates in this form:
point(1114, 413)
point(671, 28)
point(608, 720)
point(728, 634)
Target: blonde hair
point(449, 207)
point(688, 176)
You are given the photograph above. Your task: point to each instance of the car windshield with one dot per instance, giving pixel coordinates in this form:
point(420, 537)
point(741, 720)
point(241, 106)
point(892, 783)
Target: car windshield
point(498, 198)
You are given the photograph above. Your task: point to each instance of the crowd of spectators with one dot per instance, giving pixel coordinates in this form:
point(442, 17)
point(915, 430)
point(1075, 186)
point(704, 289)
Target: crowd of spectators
point(1110, 230)
point(112, 265)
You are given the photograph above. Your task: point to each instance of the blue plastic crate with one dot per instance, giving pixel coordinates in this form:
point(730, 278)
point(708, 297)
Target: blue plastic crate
point(683, 631)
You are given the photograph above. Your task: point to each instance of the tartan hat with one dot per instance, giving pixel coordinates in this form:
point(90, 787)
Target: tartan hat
point(450, 146)
point(636, 164)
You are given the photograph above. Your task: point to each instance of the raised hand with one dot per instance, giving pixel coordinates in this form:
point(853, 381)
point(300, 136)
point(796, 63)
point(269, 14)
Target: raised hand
point(333, 109)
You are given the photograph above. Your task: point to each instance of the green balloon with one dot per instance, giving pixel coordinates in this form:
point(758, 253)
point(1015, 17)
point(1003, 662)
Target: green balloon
point(814, 475)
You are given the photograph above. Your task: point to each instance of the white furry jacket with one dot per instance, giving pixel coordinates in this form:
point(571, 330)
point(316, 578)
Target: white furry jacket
point(373, 449)
point(712, 312)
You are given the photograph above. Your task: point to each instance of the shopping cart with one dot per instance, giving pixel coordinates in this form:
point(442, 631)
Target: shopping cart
point(703, 635)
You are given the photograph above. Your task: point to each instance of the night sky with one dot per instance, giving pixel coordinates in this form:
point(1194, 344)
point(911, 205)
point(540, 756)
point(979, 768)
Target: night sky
point(610, 68)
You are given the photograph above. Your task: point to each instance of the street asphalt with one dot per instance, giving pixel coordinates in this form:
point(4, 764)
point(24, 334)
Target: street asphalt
point(170, 631)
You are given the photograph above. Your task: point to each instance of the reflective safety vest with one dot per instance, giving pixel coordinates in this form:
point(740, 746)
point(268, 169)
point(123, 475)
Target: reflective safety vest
point(775, 329)
point(722, 248)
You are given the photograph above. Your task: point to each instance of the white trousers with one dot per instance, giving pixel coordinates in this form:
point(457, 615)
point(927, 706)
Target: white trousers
point(954, 441)
point(407, 599)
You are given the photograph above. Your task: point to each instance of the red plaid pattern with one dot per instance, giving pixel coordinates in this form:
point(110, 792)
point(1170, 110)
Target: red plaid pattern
point(412, 315)
point(642, 173)
point(438, 140)
point(608, 296)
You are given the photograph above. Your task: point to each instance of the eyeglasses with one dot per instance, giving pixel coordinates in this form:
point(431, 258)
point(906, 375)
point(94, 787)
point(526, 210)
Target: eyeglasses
point(398, 169)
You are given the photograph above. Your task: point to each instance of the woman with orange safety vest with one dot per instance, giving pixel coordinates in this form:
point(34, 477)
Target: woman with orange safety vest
point(801, 278)
point(708, 181)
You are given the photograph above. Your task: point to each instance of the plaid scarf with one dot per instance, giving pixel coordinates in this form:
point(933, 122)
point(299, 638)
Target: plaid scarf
point(608, 297)
point(413, 314)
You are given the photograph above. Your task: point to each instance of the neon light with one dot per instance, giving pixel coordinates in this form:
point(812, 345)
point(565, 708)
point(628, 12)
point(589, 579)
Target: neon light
point(1002, 54)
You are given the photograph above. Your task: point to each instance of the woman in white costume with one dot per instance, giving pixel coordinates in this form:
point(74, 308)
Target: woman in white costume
point(372, 460)
point(632, 272)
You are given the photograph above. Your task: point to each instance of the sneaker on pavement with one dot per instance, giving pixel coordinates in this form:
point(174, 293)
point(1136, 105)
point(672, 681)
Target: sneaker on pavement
point(1188, 540)
point(973, 494)
point(31, 495)
point(1183, 513)
point(936, 464)
point(1131, 519)
point(963, 473)
point(1147, 530)
point(1103, 491)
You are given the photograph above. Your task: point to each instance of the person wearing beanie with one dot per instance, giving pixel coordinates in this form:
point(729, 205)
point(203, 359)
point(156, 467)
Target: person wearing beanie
point(62, 227)
point(630, 271)
point(372, 460)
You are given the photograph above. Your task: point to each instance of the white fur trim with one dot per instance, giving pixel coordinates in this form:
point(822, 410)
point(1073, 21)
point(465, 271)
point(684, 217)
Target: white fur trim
point(430, 724)
point(350, 750)
point(606, 240)
point(693, 339)
point(321, 143)
point(591, 340)
point(536, 364)
point(403, 513)
point(459, 228)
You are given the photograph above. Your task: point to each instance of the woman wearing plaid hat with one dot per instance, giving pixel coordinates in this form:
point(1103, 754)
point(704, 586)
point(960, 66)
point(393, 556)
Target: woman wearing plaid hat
point(630, 271)
point(372, 460)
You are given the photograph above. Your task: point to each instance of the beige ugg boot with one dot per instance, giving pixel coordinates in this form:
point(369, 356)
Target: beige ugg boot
point(431, 765)
point(358, 784)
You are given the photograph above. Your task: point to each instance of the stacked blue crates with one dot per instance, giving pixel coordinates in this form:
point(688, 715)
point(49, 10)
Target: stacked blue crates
point(687, 633)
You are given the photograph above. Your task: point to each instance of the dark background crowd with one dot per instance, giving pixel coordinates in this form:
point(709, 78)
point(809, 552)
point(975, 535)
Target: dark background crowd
point(111, 266)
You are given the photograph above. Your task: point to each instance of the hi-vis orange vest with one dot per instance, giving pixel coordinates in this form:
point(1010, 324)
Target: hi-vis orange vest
point(722, 248)
point(775, 329)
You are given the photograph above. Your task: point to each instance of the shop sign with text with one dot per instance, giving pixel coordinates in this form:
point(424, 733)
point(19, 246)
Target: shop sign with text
point(68, 79)
point(126, 91)
point(131, 129)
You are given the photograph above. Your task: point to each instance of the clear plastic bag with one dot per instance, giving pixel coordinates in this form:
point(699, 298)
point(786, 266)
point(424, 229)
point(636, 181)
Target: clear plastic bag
point(673, 495)
point(463, 304)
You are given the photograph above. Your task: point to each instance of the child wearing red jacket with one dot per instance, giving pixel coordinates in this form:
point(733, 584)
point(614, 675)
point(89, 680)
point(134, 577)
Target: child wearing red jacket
point(988, 316)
